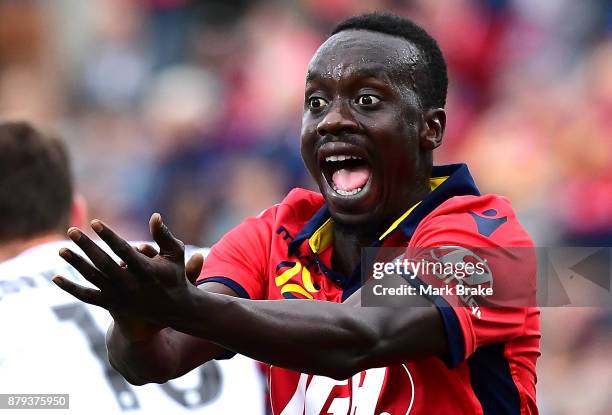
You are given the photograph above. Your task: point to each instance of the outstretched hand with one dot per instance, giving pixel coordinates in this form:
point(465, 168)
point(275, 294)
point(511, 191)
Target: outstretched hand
point(147, 285)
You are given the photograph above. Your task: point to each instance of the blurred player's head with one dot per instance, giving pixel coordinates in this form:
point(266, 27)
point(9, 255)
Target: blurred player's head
point(375, 91)
point(36, 188)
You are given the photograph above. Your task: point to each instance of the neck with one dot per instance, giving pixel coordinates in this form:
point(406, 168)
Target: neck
point(13, 248)
point(349, 240)
point(347, 247)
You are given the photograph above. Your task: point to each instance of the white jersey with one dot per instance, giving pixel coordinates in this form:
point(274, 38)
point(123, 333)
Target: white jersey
point(52, 343)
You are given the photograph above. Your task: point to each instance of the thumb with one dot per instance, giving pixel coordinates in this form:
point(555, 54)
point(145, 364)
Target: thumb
point(169, 246)
point(194, 267)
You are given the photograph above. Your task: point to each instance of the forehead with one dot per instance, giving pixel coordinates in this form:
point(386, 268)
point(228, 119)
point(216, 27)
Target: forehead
point(356, 51)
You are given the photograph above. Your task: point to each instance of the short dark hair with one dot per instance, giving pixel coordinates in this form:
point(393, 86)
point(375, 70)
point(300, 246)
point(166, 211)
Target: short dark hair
point(432, 89)
point(35, 182)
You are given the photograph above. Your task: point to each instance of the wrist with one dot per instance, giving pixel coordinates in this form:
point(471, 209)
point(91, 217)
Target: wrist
point(199, 306)
point(134, 330)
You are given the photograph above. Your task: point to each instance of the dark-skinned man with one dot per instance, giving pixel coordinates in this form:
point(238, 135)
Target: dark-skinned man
point(373, 114)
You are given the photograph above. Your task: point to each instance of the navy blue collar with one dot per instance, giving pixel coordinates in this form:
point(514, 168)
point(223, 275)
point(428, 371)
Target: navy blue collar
point(459, 183)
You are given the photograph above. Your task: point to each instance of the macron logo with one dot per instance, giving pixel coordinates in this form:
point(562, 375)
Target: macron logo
point(487, 224)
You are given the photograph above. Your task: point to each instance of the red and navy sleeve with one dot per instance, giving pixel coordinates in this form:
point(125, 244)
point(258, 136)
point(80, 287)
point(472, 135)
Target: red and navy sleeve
point(487, 229)
point(239, 260)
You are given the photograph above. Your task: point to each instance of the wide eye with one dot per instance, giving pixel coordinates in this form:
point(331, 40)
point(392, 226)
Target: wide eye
point(317, 103)
point(367, 100)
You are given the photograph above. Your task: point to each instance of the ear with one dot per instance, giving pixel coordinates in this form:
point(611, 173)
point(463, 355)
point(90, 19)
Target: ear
point(78, 212)
point(433, 128)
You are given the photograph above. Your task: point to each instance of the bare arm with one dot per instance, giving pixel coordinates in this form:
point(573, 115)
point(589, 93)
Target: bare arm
point(317, 337)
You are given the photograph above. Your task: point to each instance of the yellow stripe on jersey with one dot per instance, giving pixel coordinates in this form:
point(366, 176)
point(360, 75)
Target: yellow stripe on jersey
point(323, 237)
point(434, 182)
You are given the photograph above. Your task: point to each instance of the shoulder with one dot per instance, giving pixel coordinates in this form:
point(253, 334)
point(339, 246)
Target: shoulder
point(488, 219)
point(301, 203)
point(38, 258)
point(296, 208)
point(284, 219)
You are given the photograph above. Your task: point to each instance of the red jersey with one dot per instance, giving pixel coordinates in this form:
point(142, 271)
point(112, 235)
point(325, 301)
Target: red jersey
point(286, 251)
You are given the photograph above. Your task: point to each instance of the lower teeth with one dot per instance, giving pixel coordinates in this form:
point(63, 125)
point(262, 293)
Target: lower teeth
point(348, 193)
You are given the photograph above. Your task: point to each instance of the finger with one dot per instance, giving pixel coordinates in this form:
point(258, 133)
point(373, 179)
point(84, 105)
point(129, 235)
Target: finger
point(148, 250)
point(120, 246)
point(100, 259)
point(87, 295)
point(88, 271)
point(194, 267)
point(170, 247)
point(144, 249)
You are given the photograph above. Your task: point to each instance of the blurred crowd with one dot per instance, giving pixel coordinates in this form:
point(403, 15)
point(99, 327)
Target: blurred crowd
point(192, 108)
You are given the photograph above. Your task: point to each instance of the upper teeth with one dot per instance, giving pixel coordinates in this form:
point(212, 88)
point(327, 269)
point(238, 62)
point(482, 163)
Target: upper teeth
point(341, 157)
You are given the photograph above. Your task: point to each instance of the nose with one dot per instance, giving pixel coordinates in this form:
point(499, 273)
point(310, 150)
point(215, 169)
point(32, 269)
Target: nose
point(337, 120)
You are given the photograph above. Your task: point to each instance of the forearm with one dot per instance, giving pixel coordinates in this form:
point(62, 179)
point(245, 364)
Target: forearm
point(157, 357)
point(316, 337)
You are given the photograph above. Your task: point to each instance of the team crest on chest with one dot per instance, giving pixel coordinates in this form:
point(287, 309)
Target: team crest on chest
point(294, 280)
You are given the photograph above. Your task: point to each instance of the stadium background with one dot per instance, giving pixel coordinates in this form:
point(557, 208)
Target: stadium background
point(193, 108)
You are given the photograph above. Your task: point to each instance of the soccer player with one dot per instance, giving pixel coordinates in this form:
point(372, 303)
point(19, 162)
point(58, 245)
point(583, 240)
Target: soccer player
point(373, 114)
point(40, 324)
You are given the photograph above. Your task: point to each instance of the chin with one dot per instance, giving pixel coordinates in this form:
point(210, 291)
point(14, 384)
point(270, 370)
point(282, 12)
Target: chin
point(367, 219)
point(351, 219)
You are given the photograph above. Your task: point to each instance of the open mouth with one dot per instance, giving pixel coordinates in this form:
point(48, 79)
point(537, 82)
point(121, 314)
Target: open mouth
point(347, 173)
